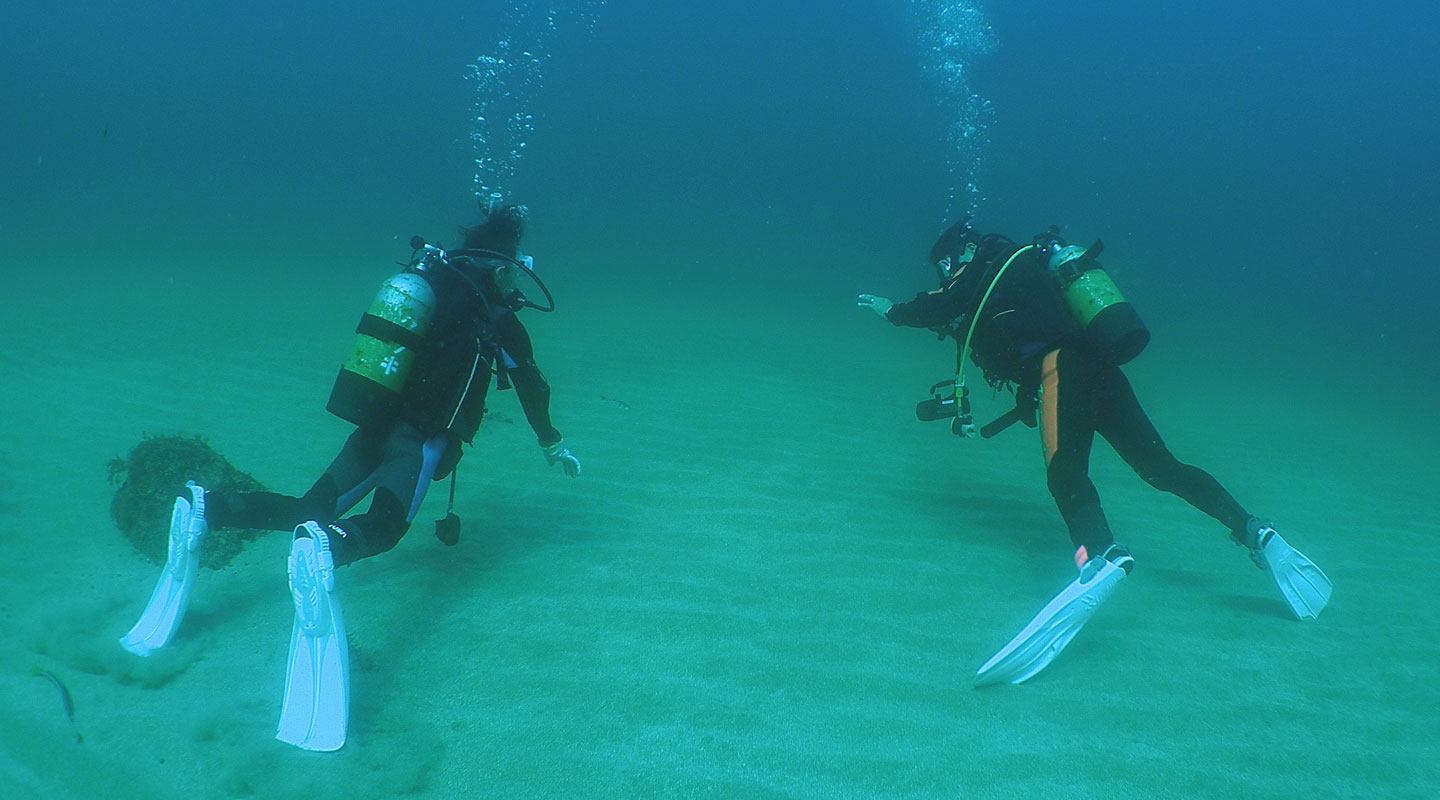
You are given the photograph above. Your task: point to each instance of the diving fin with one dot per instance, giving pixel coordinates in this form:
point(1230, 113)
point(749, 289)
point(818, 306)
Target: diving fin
point(316, 709)
point(171, 597)
point(1057, 623)
point(1304, 586)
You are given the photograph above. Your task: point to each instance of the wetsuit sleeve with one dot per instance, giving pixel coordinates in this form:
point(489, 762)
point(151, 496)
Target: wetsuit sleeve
point(927, 310)
point(530, 384)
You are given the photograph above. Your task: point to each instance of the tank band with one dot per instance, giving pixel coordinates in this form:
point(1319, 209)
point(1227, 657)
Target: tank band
point(387, 331)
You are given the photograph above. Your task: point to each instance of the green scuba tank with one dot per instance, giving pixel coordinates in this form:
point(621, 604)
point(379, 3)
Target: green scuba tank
point(1111, 325)
point(367, 390)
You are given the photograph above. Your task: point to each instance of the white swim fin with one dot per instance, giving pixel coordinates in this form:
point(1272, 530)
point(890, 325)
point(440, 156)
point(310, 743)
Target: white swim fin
point(1057, 623)
point(1304, 586)
point(316, 709)
point(171, 597)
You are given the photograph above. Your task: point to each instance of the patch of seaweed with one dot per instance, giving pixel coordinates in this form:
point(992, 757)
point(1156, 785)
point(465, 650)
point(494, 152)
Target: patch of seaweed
point(147, 482)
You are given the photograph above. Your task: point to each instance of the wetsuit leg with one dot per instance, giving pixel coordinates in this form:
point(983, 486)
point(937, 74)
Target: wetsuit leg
point(271, 511)
point(1069, 409)
point(1128, 429)
point(407, 462)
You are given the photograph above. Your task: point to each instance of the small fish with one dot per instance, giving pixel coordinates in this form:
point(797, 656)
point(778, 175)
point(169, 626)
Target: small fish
point(624, 406)
point(65, 700)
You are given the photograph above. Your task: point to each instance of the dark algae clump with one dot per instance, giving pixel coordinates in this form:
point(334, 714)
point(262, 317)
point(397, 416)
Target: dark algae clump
point(147, 481)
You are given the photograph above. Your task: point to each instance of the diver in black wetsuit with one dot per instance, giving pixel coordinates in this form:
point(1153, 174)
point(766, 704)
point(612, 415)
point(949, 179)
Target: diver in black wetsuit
point(1028, 340)
point(1018, 309)
point(470, 338)
point(415, 388)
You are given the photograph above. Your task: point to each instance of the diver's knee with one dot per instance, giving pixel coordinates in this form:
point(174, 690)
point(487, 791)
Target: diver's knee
point(1061, 475)
point(1165, 474)
point(389, 519)
point(321, 500)
point(371, 533)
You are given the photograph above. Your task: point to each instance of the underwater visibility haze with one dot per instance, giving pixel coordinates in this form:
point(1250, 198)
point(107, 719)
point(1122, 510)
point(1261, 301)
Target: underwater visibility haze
point(771, 579)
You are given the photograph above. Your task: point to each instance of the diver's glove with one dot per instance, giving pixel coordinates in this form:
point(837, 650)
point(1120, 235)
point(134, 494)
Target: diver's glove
point(558, 453)
point(875, 303)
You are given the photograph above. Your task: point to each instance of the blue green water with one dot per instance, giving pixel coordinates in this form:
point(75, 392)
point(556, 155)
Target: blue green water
point(771, 580)
point(1272, 160)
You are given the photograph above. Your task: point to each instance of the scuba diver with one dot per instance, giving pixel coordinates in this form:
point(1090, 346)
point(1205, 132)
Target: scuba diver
point(415, 387)
point(1045, 321)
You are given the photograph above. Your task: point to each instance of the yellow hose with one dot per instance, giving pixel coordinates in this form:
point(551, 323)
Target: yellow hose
point(965, 349)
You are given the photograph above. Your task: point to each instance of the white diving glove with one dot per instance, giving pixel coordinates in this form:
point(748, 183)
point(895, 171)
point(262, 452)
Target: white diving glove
point(875, 303)
point(558, 453)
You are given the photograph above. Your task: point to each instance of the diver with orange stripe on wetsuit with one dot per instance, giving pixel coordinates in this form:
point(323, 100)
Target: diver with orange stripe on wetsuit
point(1044, 320)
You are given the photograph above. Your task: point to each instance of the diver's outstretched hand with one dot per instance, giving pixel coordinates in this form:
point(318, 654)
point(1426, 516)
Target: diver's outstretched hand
point(875, 303)
point(558, 453)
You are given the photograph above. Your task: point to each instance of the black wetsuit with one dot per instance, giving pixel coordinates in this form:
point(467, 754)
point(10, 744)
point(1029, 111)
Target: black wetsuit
point(1027, 338)
point(443, 401)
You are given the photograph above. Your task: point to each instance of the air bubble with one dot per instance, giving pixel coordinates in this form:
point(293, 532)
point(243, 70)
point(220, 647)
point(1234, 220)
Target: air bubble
point(505, 84)
point(952, 35)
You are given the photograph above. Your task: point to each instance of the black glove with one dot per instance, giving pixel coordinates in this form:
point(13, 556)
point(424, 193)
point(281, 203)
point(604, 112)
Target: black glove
point(454, 451)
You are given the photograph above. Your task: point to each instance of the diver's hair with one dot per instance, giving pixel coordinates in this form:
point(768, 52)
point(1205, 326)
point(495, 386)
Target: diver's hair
point(499, 231)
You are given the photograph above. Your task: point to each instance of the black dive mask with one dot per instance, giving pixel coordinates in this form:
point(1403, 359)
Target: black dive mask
point(952, 265)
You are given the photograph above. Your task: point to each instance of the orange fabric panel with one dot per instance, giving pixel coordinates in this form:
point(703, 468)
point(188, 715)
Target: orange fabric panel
point(1049, 400)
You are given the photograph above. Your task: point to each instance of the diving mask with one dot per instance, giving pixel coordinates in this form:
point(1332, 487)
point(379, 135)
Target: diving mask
point(952, 266)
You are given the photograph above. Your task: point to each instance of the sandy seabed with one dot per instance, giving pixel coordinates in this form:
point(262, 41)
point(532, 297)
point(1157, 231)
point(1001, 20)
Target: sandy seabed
point(771, 581)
